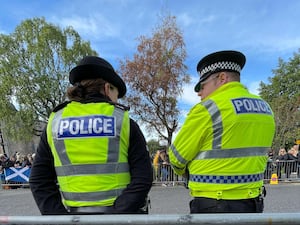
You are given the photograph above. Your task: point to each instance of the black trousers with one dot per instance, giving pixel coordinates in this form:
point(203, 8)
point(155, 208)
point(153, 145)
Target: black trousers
point(209, 205)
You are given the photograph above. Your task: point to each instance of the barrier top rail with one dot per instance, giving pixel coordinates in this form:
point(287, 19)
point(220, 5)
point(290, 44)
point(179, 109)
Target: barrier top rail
point(159, 219)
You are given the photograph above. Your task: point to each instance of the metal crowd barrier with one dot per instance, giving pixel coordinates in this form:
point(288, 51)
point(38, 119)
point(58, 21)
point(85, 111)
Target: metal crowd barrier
point(15, 177)
point(168, 219)
point(286, 171)
point(163, 174)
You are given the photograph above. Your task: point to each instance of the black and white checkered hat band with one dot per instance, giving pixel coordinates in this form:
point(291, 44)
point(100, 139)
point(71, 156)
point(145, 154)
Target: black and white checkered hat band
point(225, 65)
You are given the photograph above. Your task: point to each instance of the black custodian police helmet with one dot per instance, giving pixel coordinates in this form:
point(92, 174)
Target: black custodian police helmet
point(92, 67)
point(228, 60)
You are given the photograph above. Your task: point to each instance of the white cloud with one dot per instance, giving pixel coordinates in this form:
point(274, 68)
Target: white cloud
point(93, 26)
point(3, 32)
point(263, 30)
point(253, 87)
point(185, 19)
point(189, 96)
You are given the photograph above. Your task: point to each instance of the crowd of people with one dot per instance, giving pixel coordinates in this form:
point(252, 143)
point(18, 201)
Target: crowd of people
point(17, 160)
point(285, 162)
point(91, 139)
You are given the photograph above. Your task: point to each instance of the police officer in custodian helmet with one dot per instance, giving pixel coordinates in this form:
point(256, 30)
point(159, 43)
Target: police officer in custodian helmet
point(92, 158)
point(223, 144)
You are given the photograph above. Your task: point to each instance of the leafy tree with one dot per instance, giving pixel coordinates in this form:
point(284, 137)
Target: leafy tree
point(35, 61)
point(283, 94)
point(156, 76)
point(153, 146)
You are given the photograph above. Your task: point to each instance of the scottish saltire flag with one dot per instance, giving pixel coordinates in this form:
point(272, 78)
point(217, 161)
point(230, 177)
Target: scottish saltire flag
point(17, 174)
point(2, 177)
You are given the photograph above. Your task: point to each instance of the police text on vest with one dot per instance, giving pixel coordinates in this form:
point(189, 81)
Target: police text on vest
point(251, 105)
point(86, 126)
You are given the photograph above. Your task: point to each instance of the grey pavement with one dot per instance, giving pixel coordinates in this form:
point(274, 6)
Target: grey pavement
point(281, 198)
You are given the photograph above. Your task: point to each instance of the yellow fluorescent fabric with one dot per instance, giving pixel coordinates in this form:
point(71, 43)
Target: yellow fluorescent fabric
point(90, 165)
point(229, 119)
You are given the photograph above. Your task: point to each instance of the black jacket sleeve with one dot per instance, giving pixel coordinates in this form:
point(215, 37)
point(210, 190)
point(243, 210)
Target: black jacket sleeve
point(43, 182)
point(133, 197)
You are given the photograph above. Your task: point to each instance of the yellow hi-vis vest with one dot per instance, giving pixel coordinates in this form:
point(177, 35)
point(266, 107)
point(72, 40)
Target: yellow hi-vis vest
point(223, 143)
point(89, 143)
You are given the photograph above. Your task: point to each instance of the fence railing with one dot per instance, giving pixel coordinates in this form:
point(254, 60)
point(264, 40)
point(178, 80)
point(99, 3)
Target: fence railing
point(286, 171)
point(15, 177)
point(164, 175)
point(173, 219)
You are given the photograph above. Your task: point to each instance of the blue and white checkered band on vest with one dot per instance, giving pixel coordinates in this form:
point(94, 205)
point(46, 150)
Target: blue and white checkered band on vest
point(233, 179)
point(224, 65)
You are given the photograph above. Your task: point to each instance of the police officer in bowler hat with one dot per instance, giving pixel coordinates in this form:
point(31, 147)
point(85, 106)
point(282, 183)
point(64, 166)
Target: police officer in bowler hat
point(223, 144)
point(92, 157)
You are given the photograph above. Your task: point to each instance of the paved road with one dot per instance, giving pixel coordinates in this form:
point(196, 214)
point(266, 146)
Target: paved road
point(164, 200)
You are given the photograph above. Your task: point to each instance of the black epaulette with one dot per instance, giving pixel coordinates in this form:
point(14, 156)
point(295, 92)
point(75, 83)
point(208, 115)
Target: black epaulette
point(120, 106)
point(61, 106)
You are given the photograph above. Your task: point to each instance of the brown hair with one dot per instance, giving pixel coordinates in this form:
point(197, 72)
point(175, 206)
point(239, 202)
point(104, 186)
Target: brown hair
point(81, 90)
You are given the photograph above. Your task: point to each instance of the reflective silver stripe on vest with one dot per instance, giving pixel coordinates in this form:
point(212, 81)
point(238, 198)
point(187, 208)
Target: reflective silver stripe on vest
point(108, 168)
point(177, 155)
point(114, 143)
point(232, 153)
point(113, 166)
point(217, 129)
point(233, 179)
point(218, 153)
point(59, 143)
point(92, 196)
point(217, 125)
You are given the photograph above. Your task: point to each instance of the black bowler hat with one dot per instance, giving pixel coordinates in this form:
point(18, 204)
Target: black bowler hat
point(233, 61)
point(95, 67)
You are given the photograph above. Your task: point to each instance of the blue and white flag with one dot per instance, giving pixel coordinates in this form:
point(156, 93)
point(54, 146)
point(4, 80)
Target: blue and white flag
point(17, 174)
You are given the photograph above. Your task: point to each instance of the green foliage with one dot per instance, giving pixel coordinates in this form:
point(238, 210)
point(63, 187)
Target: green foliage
point(283, 94)
point(153, 146)
point(35, 61)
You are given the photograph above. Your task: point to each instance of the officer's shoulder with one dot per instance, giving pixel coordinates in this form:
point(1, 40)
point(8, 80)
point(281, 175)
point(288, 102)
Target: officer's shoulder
point(61, 106)
point(120, 106)
point(197, 107)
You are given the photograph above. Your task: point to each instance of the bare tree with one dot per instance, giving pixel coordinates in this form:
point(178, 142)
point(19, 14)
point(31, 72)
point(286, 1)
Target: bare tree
point(155, 77)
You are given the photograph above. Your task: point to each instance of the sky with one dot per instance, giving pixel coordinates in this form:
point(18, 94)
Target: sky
point(264, 30)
